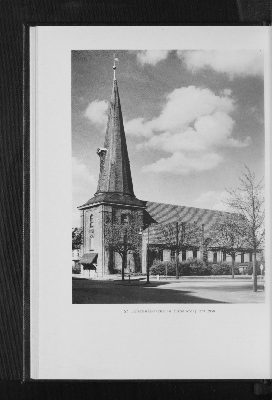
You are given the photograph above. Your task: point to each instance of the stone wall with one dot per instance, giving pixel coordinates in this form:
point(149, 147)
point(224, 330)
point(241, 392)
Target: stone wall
point(93, 220)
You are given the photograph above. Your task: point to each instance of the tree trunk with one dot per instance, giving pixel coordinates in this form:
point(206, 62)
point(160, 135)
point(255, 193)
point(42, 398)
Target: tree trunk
point(205, 256)
point(177, 266)
point(124, 265)
point(177, 250)
point(124, 258)
point(232, 265)
point(202, 247)
point(254, 273)
point(147, 261)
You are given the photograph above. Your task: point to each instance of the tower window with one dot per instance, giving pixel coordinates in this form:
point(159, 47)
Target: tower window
point(91, 221)
point(124, 218)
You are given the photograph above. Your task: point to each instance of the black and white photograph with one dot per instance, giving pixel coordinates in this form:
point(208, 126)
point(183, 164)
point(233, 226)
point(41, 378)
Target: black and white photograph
point(152, 145)
point(168, 170)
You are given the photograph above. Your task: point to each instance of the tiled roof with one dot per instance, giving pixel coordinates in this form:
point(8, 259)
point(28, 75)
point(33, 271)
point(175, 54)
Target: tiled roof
point(168, 213)
point(160, 213)
point(115, 198)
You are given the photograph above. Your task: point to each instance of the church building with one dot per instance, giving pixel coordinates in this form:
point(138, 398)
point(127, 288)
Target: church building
point(115, 199)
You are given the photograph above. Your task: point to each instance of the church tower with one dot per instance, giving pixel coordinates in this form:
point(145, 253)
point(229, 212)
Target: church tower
point(114, 198)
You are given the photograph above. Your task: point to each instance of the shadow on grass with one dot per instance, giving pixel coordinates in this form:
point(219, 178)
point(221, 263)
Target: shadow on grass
point(87, 291)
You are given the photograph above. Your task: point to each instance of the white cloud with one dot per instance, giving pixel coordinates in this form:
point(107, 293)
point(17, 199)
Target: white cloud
point(234, 63)
point(138, 127)
point(182, 164)
point(194, 124)
point(208, 133)
point(84, 186)
point(213, 200)
point(183, 106)
point(151, 56)
point(227, 92)
point(97, 112)
point(186, 104)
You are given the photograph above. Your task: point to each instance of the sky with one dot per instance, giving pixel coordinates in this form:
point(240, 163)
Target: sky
point(192, 119)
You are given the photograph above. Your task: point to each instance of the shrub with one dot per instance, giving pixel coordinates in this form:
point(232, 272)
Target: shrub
point(160, 267)
point(192, 267)
point(76, 269)
point(224, 268)
point(189, 267)
point(258, 263)
point(115, 271)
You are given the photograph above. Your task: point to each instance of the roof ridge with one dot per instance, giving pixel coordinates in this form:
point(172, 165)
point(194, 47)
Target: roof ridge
point(178, 205)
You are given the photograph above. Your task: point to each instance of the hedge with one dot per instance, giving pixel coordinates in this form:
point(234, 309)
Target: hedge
point(192, 267)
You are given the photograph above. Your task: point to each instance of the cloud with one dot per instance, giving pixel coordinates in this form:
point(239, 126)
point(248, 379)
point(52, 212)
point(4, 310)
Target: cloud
point(209, 132)
point(84, 186)
point(186, 104)
point(194, 124)
point(257, 113)
point(213, 200)
point(227, 92)
point(138, 127)
point(234, 63)
point(182, 107)
point(180, 163)
point(151, 56)
point(96, 112)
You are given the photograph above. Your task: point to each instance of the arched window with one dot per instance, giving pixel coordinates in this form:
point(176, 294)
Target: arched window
point(91, 243)
point(124, 219)
point(91, 221)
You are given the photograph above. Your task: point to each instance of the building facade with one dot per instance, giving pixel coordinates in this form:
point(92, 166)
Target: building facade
point(114, 199)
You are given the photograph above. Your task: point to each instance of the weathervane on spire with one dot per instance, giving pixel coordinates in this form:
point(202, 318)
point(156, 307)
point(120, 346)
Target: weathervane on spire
point(114, 66)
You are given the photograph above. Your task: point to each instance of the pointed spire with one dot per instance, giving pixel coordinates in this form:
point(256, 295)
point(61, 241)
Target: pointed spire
point(114, 67)
point(115, 181)
point(115, 175)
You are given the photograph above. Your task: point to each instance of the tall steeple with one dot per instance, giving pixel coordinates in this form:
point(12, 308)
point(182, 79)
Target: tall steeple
point(115, 181)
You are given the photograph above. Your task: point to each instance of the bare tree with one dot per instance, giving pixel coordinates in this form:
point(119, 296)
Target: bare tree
point(179, 237)
point(248, 201)
point(229, 236)
point(123, 236)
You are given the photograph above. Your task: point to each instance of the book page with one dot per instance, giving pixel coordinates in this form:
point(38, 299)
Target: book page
point(195, 109)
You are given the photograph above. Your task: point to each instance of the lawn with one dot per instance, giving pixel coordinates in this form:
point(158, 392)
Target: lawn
point(197, 291)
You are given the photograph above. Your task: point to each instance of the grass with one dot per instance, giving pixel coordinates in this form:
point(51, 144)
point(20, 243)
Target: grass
point(225, 291)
